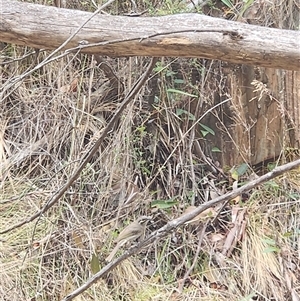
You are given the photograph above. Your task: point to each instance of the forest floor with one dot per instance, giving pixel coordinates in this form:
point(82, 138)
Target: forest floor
point(245, 249)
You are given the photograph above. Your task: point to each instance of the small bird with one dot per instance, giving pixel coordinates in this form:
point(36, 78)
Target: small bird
point(129, 233)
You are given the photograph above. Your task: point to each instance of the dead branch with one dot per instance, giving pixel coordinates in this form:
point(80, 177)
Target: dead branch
point(172, 225)
point(179, 35)
point(89, 154)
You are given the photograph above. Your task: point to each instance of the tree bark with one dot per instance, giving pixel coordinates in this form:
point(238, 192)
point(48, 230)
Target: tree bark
point(181, 35)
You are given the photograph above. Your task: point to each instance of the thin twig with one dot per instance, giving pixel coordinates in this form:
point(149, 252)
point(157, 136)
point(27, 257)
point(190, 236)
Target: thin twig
point(172, 225)
point(50, 58)
point(200, 239)
point(89, 154)
point(196, 122)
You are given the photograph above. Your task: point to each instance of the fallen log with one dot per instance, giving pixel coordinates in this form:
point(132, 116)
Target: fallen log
point(180, 35)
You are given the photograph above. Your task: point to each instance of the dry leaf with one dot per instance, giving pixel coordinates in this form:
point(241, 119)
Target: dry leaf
point(73, 85)
point(70, 88)
point(77, 238)
point(64, 89)
point(215, 237)
point(207, 213)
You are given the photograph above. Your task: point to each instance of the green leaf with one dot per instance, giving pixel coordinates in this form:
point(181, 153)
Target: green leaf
point(192, 117)
point(288, 234)
point(242, 169)
point(164, 204)
point(216, 150)
point(235, 175)
point(227, 3)
point(271, 245)
point(181, 92)
point(170, 73)
point(294, 195)
point(95, 265)
point(204, 133)
point(271, 249)
point(158, 68)
point(269, 241)
point(272, 184)
point(206, 128)
point(179, 112)
point(271, 166)
point(247, 4)
point(179, 81)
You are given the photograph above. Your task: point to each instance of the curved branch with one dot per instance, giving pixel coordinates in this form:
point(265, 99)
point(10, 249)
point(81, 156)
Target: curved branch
point(172, 225)
point(89, 154)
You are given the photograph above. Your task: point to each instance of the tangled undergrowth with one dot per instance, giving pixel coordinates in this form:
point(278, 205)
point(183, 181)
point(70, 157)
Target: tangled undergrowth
point(246, 250)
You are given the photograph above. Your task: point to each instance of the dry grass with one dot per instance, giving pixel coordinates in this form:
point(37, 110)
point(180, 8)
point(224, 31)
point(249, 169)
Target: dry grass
point(46, 126)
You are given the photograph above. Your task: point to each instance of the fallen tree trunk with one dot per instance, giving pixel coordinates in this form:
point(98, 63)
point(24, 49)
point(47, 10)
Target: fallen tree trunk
point(181, 35)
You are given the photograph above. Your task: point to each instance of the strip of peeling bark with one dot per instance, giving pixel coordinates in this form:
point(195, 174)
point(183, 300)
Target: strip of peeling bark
point(181, 35)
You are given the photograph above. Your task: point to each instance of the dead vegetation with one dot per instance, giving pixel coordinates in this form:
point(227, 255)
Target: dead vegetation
point(146, 166)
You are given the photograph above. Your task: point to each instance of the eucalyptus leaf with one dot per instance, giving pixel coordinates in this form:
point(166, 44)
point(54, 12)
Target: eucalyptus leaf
point(164, 204)
point(95, 265)
point(181, 92)
point(207, 128)
point(242, 169)
point(216, 150)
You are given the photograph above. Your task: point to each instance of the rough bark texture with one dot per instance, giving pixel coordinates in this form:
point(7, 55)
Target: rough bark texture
point(261, 123)
point(182, 35)
point(264, 115)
